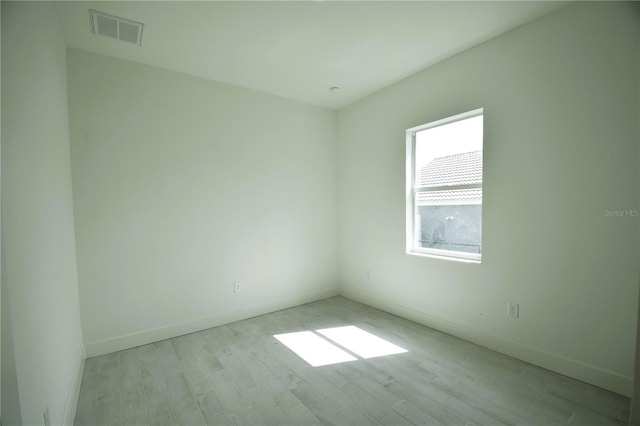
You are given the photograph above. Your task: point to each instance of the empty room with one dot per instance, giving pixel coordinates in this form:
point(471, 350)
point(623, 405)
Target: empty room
point(320, 212)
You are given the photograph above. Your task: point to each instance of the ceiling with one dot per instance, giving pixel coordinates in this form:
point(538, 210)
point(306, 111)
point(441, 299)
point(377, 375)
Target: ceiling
point(299, 49)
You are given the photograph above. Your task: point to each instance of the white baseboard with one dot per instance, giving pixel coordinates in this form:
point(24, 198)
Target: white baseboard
point(74, 392)
point(596, 376)
point(174, 330)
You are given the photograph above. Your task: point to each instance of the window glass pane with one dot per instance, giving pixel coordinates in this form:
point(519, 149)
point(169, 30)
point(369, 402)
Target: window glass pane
point(450, 154)
point(449, 220)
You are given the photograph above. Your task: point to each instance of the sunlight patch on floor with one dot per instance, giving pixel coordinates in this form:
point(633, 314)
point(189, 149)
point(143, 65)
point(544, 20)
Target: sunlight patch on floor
point(313, 348)
point(361, 342)
point(316, 350)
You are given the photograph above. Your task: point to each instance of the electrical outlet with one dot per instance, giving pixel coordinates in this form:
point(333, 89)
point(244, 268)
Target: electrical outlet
point(47, 420)
point(513, 310)
point(237, 287)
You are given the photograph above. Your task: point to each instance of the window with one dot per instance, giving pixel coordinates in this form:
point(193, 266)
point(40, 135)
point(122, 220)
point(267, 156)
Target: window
point(444, 187)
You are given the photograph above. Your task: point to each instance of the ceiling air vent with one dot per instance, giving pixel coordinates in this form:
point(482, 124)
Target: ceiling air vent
point(114, 27)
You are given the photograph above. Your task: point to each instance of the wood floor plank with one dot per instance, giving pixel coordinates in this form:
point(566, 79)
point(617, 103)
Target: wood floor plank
point(247, 416)
point(352, 415)
point(228, 393)
point(109, 379)
point(327, 412)
point(431, 402)
point(262, 403)
point(108, 410)
point(301, 415)
point(377, 409)
point(338, 374)
point(381, 393)
point(160, 410)
point(271, 384)
point(91, 366)
point(211, 406)
point(86, 410)
point(237, 370)
point(414, 415)
point(593, 419)
point(134, 411)
point(239, 374)
point(498, 412)
point(532, 408)
point(330, 394)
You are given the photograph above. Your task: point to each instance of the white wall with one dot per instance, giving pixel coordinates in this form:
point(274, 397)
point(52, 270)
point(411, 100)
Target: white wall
point(561, 147)
point(183, 186)
point(635, 402)
point(37, 214)
point(1, 261)
point(10, 398)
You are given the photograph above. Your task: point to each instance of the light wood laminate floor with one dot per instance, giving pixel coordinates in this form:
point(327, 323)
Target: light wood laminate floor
point(240, 374)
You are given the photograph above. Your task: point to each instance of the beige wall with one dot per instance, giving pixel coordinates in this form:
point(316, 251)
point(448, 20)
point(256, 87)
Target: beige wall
point(183, 186)
point(39, 254)
point(561, 147)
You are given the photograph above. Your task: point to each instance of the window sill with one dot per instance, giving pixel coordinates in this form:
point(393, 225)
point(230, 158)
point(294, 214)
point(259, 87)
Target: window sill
point(444, 257)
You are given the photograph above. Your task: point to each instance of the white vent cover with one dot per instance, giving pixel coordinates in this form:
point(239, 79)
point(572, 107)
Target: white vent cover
point(114, 27)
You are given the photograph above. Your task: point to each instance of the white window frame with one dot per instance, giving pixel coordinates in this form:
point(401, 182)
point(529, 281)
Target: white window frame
point(411, 191)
